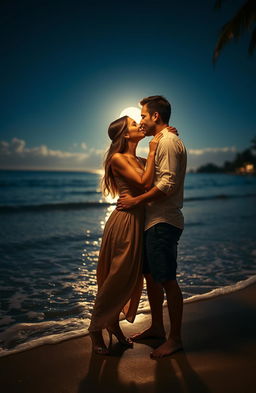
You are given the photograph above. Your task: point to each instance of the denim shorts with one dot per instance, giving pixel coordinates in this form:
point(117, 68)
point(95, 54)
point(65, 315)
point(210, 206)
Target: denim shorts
point(160, 251)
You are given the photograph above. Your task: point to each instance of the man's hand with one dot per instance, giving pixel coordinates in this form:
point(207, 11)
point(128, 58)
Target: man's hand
point(126, 202)
point(173, 130)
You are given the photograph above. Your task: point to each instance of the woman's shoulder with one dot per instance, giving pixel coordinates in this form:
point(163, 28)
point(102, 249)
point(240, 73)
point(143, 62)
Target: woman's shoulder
point(118, 157)
point(118, 160)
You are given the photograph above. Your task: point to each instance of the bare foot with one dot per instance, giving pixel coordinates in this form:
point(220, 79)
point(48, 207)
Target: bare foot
point(149, 333)
point(168, 348)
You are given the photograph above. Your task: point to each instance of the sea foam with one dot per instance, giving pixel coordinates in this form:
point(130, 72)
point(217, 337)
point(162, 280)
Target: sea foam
point(79, 327)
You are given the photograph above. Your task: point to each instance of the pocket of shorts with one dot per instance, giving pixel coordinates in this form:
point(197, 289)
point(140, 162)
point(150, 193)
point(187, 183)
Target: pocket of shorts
point(167, 231)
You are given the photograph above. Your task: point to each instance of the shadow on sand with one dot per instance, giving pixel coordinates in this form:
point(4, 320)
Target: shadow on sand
point(171, 374)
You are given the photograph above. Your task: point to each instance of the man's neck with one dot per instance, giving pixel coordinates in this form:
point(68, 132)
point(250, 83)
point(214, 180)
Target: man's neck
point(160, 127)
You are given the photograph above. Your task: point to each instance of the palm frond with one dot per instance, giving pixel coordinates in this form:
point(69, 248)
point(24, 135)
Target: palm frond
point(234, 28)
point(218, 4)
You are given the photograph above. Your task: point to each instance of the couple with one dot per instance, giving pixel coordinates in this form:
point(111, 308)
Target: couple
point(142, 233)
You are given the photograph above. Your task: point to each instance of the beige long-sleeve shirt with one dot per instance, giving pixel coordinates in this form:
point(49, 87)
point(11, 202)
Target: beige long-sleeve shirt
point(170, 169)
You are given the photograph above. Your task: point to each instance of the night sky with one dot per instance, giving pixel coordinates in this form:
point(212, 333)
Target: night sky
point(68, 68)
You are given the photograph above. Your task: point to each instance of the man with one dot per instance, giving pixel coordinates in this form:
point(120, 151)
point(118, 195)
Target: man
point(163, 225)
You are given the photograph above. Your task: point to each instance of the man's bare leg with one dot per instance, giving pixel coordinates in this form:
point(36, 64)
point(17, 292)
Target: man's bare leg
point(175, 308)
point(156, 298)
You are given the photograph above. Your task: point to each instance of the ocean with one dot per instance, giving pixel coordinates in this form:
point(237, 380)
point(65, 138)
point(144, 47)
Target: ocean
point(50, 234)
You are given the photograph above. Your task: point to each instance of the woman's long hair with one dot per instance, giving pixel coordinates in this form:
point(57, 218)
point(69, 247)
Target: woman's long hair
point(116, 132)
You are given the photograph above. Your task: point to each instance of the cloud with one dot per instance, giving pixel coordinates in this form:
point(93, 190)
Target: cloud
point(214, 155)
point(15, 155)
point(198, 157)
point(199, 152)
point(83, 146)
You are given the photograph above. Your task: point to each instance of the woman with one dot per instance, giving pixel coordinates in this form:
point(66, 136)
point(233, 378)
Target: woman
point(119, 271)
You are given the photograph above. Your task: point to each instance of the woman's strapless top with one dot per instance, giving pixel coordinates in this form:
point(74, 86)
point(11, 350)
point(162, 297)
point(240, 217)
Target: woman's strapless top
point(125, 188)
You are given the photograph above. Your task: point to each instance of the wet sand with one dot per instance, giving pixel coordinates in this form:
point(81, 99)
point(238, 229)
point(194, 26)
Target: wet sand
point(219, 337)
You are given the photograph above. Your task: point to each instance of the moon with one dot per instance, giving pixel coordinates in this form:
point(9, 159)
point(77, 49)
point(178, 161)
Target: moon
point(132, 112)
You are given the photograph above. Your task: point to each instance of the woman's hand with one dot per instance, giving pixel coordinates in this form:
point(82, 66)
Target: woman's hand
point(154, 142)
point(173, 130)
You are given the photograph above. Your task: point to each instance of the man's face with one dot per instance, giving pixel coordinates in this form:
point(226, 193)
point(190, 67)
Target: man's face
point(147, 123)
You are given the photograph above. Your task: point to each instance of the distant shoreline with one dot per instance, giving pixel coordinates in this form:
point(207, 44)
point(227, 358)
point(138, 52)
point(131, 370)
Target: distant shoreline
point(92, 171)
point(100, 171)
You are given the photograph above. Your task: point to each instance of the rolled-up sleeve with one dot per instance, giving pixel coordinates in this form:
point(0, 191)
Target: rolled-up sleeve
point(167, 166)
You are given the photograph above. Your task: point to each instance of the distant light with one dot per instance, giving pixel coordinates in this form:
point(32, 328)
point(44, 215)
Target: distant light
point(132, 112)
point(249, 168)
point(246, 168)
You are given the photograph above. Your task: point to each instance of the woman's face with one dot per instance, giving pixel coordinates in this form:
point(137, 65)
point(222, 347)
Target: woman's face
point(135, 133)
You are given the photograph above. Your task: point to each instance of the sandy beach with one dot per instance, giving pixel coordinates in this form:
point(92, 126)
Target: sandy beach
point(219, 356)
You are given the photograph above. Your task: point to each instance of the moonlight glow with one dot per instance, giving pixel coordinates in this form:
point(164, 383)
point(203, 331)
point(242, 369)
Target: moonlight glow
point(132, 112)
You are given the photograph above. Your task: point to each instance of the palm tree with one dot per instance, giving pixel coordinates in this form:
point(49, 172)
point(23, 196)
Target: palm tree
point(242, 21)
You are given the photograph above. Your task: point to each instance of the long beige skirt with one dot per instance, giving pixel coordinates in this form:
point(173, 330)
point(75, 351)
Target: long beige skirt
point(119, 271)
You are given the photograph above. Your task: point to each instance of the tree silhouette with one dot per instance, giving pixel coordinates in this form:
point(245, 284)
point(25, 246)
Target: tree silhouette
point(253, 142)
point(242, 158)
point(243, 20)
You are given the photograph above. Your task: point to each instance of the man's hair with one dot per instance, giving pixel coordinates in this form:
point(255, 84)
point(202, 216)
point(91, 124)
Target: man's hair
point(158, 104)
